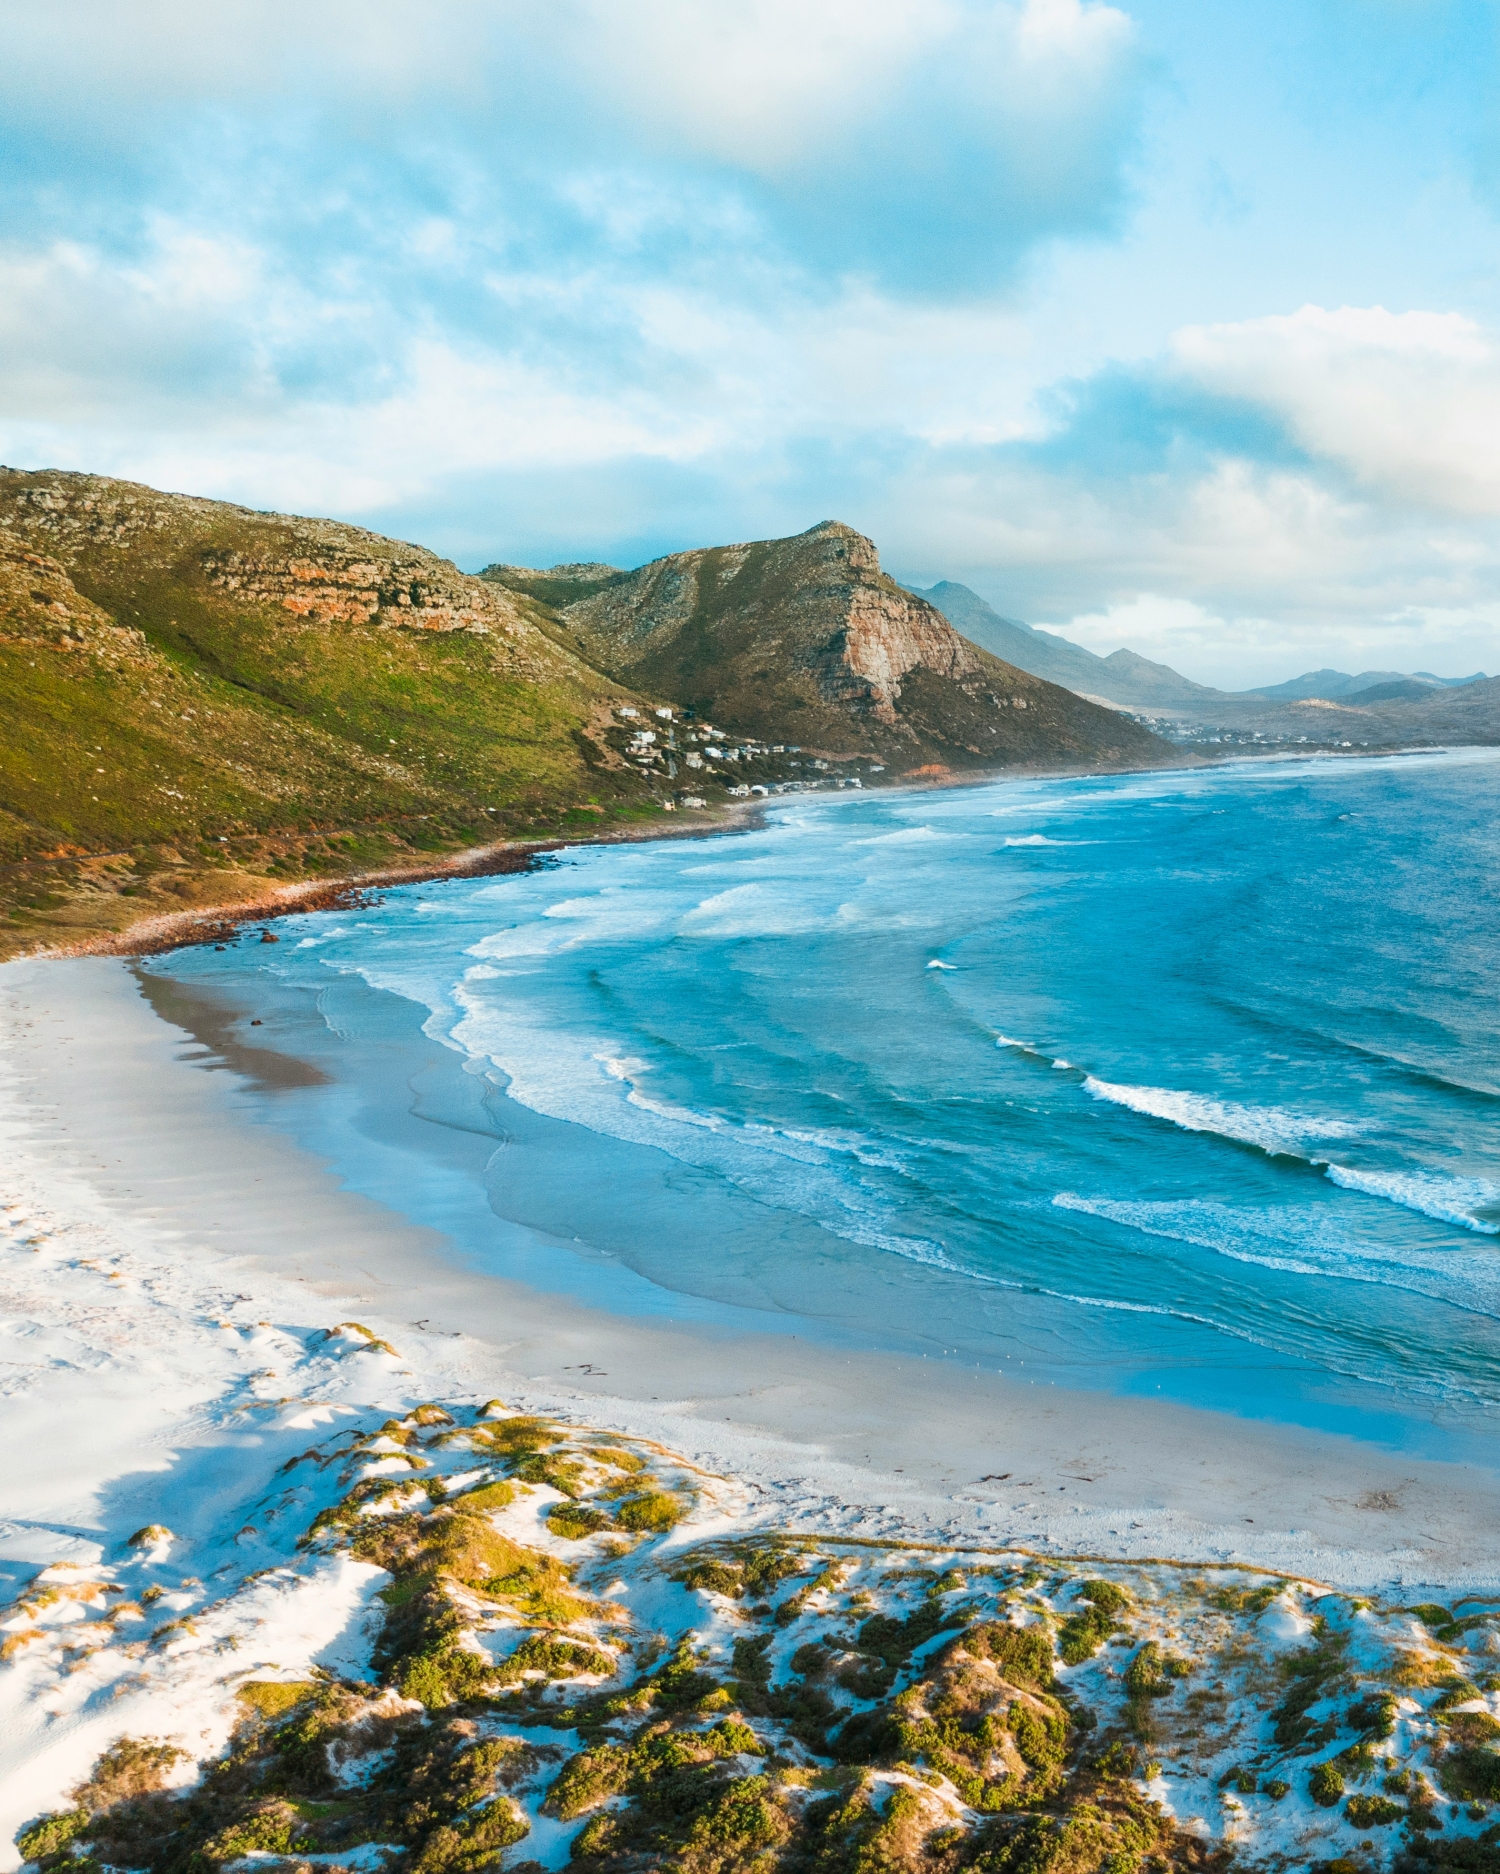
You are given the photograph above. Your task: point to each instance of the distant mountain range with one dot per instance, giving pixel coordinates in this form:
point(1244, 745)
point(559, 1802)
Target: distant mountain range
point(1370, 686)
point(1123, 678)
point(1130, 681)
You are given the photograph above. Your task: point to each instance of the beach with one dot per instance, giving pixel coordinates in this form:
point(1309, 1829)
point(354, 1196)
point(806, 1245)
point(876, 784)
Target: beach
point(122, 1127)
point(278, 1222)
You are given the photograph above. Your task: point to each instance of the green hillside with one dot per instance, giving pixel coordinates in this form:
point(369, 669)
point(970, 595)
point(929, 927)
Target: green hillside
point(198, 702)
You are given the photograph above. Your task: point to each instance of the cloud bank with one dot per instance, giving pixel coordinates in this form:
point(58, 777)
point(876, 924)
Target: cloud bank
point(603, 279)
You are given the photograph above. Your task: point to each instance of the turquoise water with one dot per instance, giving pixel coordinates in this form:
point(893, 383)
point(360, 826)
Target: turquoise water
point(1179, 1084)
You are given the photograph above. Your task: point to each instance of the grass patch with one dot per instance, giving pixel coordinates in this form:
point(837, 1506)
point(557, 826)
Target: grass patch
point(272, 1697)
point(654, 1512)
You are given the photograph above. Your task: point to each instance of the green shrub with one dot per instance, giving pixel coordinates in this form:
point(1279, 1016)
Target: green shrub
point(448, 1675)
point(1325, 1786)
point(588, 1779)
point(1375, 1715)
point(473, 1843)
point(1146, 1675)
point(1023, 1654)
point(1118, 1759)
point(1247, 1600)
point(272, 1697)
point(1472, 1774)
point(1083, 1633)
point(739, 1819)
point(680, 1683)
point(558, 1658)
point(1373, 1811)
point(575, 1521)
point(518, 1437)
point(1107, 1596)
point(616, 1458)
point(272, 1830)
point(1041, 1737)
point(496, 1496)
point(1431, 1615)
point(1312, 1671)
point(53, 1833)
point(731, 1737)
point(714, 1577)
point(554, 1468)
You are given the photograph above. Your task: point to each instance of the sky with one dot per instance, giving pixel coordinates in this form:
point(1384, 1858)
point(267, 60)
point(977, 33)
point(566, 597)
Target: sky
point(1159, 324)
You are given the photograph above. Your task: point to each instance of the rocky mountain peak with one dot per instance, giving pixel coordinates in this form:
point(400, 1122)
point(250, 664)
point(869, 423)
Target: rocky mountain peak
point(805, 637)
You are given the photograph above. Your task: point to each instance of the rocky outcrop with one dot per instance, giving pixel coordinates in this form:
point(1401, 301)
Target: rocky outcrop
point(887, 636)
point(323, 572)
point(39, 604)
point(820, 597)
point(350, 588)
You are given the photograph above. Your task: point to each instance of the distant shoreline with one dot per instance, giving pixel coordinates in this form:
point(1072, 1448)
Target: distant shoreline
point(176, 930)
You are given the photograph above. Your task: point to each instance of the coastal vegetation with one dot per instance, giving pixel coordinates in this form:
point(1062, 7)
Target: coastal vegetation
point(562, 1665)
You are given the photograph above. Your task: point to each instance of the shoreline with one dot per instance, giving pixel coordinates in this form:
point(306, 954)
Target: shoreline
point(175, 930)
point(151, 1132)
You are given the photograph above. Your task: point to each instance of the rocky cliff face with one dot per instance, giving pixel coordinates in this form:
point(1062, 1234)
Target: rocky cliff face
point(806, 638)
point(820, 597)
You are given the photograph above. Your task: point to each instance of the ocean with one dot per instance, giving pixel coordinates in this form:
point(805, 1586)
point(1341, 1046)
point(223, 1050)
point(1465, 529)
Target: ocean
point(1182, 1085)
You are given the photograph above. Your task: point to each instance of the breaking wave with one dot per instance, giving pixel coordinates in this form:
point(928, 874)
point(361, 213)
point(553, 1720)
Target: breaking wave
point(1271, 1129)
point(1448, 1200)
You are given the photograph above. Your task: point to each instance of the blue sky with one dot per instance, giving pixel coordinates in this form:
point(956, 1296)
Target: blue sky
point(1160, 324)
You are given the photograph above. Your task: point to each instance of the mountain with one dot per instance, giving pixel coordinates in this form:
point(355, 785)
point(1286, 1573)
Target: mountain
point(1123, 678)
point(1131, 681)
point(198, 701)
point(1457, 713)
point(1397, 690)
point(807, 638)
point(1339, 686)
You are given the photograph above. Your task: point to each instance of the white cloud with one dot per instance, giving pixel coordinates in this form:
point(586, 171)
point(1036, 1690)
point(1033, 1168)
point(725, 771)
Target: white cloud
point(772, 86)
point(765, 85)
point(1408, 403)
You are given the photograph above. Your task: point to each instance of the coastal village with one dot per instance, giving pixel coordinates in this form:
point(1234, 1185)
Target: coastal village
point(669, 746)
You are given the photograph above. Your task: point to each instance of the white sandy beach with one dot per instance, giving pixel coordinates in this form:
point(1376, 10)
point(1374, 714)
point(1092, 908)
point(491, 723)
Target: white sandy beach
point(171, 1275)
point(111, 1128)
